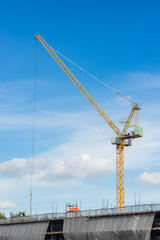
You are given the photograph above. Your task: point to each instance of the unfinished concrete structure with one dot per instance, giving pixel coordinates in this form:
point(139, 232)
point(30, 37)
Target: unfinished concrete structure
point(100, 224)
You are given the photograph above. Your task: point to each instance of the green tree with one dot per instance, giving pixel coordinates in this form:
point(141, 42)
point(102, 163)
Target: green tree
point(2, 215)
point(19, 214)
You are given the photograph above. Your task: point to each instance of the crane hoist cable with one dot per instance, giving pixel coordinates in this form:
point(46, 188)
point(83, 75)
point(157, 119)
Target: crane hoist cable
point(86, 71)
point(92, 76)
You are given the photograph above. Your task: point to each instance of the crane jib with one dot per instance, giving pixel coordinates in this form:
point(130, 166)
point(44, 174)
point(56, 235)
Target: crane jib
point(79, 86)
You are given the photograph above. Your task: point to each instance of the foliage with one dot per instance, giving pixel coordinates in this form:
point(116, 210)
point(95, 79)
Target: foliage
point(19, 214)
point(2, 215)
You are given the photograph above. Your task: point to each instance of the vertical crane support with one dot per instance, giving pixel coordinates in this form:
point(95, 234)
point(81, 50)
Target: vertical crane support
point(122, 139)
point(120, 176)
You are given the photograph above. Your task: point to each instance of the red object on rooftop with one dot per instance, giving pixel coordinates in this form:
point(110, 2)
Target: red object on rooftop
point(74, 209)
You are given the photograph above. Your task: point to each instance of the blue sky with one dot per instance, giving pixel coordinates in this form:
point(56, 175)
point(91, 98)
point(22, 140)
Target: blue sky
point(118, 42)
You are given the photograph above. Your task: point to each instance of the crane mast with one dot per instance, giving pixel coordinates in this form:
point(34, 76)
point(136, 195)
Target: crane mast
point(122, 140)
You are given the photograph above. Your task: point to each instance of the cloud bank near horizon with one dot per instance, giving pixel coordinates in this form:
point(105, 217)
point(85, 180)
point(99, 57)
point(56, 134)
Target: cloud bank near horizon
point(46, 169)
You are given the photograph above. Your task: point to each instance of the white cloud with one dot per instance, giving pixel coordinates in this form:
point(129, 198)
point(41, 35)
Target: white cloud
point(14, 167)
point(145, 151)
point(125, 100)
point(63, 160)
point(149, 178)
point(66, 160)
point(48, 169)
point(145, 79)
point(136, 81)
point(82, 167)
point(7, 204)
point(44, 120)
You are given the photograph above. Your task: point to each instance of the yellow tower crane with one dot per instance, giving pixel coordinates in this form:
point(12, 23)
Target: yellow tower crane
point(123, 139)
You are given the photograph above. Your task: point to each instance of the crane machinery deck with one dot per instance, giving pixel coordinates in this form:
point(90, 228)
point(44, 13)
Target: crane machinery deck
point(122, 139)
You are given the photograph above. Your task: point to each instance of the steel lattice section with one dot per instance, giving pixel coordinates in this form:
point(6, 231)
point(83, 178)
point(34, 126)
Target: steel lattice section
point(120, 176)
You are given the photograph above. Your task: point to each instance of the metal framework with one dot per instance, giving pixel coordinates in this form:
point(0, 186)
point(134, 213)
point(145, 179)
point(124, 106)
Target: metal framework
point(122, 140)
point(135, 109)
point(120, 200)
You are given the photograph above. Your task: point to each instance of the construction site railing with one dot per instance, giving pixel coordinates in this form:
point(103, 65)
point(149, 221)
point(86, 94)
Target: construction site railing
point(84, 213)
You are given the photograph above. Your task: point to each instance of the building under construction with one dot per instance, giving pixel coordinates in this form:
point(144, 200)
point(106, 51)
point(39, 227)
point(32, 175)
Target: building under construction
point(140, 222)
